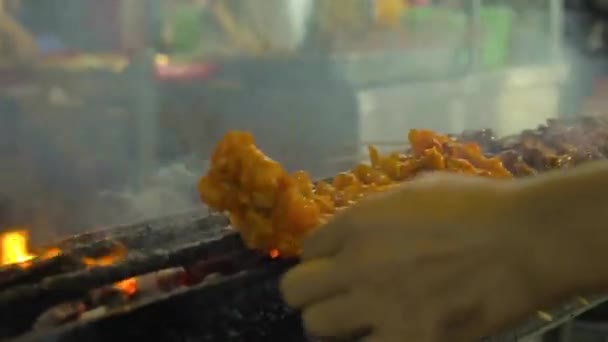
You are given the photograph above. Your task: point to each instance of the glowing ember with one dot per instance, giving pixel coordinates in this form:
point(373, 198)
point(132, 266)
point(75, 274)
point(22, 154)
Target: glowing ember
point(15, 249)
point(274, 253)
point(127, 286)
point(50, 253)
point(117, 254)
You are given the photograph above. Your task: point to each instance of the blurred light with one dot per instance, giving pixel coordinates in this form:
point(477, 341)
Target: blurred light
point(162, 60)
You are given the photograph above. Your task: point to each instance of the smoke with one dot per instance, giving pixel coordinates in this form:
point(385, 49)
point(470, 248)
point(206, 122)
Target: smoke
point(170, 190)
point(68, 169)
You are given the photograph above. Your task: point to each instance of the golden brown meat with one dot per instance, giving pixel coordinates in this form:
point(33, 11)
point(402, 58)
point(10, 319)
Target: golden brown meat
point(274, 211)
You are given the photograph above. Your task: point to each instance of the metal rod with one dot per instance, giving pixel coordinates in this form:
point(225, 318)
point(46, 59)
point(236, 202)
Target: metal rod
point(146, 112)
point(475, 41)
point(556, 19)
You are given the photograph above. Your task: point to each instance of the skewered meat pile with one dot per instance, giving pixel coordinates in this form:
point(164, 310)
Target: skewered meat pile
point(558, 144)
point(275, 210)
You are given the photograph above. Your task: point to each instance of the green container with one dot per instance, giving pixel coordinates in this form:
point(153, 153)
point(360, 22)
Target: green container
point(187, 28)
point(444, 30)
point(496, 30)
point(497, 25)
point(424, 18)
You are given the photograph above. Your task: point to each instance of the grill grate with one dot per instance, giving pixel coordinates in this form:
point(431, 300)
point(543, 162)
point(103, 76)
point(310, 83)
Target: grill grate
point(243, 304)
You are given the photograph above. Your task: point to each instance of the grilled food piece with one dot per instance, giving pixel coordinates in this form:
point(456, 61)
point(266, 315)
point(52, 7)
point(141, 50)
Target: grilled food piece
point(274, 210)
point(555, 145)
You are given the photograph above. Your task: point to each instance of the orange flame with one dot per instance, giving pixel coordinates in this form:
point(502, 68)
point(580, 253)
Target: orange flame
point(15, 249)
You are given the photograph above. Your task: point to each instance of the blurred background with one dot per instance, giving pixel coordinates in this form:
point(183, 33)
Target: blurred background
point(109, 109)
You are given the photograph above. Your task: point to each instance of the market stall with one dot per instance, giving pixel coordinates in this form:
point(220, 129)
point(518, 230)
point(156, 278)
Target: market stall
point(482, 58)
point(315, 83)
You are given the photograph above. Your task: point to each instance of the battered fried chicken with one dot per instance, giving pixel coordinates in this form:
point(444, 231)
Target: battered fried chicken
point(274, 210)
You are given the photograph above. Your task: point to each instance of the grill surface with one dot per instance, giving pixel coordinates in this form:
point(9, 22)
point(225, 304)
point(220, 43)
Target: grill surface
point(243, 308)
point(243, 305)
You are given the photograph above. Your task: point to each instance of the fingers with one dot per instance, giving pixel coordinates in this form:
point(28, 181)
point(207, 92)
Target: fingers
point(373, 338)
point(339, 316)
point(328, 239)
point(396, 338)
point(457, 321)
point(312, 281)
point(378, 338)
point(386, 209)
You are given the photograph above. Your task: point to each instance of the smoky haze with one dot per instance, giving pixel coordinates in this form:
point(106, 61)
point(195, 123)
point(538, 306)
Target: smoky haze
point(71, 168)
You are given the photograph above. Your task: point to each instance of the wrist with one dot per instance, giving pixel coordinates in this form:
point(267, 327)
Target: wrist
point(565, 241)
point(534, 248)
point(554, 269)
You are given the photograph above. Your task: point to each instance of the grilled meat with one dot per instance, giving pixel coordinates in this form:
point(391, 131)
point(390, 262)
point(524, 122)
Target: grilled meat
point(274, 210)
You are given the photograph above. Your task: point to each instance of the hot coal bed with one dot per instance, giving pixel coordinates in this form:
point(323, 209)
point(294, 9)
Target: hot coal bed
point(196, 282)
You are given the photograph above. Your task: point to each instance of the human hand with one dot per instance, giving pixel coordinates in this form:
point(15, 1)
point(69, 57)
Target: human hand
point(444, 258)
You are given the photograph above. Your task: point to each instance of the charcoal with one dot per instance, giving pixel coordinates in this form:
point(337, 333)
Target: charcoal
point(228, 264)
point(134, 237)
point(165, 280)
point(9, 273)
point(20, 305)
point(94, 314)
point(15, 275)
point(81, 281)
point(106, 296)
point(170, 279)
point(242, 307)
point(59, 314)
point(95, 249)
point(164, 233)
